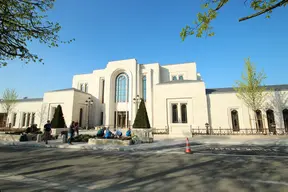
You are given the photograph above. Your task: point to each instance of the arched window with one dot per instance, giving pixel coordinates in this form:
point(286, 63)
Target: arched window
point(28, 119)
point(174, 113)
point(144, 87)
point(259, 123)
point(122, 87)
point(184, 113)
point(271, 120)
point(81, 87)
point(235, 120)
point(285, 118)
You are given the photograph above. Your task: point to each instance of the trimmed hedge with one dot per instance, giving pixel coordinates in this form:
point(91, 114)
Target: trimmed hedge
point(58, 118)
point(142, 120)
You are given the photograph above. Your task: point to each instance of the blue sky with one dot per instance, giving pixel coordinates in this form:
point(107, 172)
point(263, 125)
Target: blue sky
point(148, 30)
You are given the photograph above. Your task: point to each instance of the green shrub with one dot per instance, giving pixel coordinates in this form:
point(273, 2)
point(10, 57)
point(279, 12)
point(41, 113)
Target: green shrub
point(141, 120)
point(58, 118)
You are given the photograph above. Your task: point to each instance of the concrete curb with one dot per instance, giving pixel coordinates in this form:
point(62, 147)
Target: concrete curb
point(136, 148)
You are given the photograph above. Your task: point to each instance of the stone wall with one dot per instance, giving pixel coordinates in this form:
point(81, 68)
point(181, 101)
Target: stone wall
point(9, 137)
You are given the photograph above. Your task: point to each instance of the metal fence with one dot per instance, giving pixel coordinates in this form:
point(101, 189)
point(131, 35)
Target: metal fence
point(242, 131)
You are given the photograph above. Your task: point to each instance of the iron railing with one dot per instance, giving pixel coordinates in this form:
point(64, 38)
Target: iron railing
point(242, 131)
point(157, 131)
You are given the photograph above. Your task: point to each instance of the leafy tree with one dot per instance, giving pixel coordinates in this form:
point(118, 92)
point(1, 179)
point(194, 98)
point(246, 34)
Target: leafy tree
point(23, 21)
point(141, 120)
point(9, 99)
point(58, 118)
point(212, 8)
point(251, 89)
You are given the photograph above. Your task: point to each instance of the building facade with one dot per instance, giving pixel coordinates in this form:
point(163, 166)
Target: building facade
point(175, 96)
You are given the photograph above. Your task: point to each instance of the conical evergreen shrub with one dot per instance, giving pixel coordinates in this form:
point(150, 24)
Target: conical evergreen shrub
point(58, 118)
point(141, 120)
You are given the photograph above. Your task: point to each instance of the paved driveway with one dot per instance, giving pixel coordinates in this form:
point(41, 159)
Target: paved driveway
point(34, 169)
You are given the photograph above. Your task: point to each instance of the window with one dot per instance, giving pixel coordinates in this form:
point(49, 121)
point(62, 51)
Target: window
point(103, 88)
point(14, 119)
point(271, 120)
point(86, 88)
point(174, 78)
point(33, 119)
point(174, 113)
point(23, 119)
point(81, 87)
point(102, 118)
point(184, 113)
point(80, 117)
point(180, 77)
point(285, 118)
point(144, 87)
point(259, 123)
point(122, 86)
point(28, 119)
point(235, 120)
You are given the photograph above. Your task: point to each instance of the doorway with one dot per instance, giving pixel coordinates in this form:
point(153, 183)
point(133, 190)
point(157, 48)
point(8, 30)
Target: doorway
point(3, 118)
point(259, 124)
point(121, 117)
point(80, 117)
point(271, 121)
point(285, 118)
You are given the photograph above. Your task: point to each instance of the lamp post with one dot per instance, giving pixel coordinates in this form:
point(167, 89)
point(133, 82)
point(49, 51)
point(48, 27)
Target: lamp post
point(88, 103)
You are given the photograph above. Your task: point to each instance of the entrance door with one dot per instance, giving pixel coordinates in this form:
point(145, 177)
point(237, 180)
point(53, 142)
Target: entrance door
point(121, 119)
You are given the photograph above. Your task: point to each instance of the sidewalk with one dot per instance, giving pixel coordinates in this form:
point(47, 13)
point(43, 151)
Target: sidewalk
point(162, 142)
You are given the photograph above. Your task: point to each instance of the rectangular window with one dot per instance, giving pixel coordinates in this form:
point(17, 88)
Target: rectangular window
point(174, 78)
point(86, 88)
point(102, 118)
point(184, 113)
point(33, 119)
point(23, 119)
point(174, 113)
point(81, 87)
point(144, 87)
point(103, 88)
point(14, 119)
point(28, 119)
point(181, 77)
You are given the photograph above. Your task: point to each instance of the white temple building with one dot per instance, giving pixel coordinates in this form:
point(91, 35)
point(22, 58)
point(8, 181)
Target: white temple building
point(176, 99)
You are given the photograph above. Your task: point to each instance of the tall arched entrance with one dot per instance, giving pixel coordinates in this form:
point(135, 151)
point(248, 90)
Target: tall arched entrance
point(271, 121)
point(121, 114)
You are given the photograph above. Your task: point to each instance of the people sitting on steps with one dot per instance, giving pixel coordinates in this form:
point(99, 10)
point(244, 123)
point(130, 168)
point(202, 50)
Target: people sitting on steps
point(108, 134)
point(100, 132)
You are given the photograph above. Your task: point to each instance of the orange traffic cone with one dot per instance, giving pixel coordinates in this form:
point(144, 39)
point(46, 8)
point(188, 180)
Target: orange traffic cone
point(188, 150)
